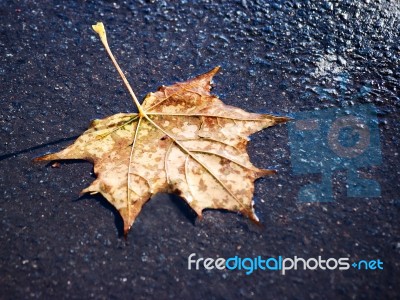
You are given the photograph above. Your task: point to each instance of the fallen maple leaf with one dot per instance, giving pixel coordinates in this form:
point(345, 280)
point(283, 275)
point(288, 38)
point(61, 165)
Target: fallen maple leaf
point(183, 140)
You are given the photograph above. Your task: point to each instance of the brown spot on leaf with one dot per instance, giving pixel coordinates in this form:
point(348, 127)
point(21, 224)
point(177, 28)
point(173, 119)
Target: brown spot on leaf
point(177, 192)
point(202, 185)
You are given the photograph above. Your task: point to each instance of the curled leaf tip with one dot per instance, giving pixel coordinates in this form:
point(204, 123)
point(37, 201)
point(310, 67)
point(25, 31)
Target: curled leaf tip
point(282, 119)
point(214, 71)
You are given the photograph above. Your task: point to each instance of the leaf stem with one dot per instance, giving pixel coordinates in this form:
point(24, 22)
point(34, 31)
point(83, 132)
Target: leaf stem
point(101, 31)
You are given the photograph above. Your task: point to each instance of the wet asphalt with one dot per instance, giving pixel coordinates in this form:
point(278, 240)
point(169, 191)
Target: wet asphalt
point(306, 59)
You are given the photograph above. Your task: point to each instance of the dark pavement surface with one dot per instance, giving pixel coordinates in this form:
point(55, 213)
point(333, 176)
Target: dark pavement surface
point(280, 57)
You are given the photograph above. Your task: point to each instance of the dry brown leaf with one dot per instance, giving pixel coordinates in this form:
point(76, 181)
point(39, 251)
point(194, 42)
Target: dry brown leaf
point(184, 140)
